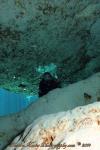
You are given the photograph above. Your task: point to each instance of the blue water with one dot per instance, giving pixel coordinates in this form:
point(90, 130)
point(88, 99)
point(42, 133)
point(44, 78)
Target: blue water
point(12, 102)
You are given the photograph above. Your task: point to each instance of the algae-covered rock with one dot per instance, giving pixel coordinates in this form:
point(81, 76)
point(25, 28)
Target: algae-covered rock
point(38, 33)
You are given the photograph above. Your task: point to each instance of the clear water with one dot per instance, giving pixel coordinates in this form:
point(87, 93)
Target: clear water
point(12, 102)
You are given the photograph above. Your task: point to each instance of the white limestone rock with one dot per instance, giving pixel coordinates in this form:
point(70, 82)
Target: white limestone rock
point(59, 100)
point(78, 129)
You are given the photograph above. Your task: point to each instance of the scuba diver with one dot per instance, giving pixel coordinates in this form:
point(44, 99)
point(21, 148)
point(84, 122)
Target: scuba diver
point(47, 83)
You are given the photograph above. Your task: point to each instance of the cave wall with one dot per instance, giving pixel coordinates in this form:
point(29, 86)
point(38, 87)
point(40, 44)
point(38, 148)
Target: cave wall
point(34, 33)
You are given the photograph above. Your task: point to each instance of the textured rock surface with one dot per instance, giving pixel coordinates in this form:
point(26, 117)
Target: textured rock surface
point(33, 33)
point(77, 127)
point(77, 94)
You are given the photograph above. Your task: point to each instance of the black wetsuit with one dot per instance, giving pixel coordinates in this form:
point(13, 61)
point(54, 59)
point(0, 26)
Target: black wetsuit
point(47, 85)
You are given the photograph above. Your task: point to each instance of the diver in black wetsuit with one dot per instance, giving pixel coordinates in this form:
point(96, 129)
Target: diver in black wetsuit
point(47, 84)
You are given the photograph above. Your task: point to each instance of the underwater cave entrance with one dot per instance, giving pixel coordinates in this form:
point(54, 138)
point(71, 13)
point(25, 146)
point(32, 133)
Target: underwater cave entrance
point(12, 102)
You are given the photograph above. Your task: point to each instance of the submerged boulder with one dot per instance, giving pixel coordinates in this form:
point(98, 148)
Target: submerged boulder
point(75, 130)
point(65, 99)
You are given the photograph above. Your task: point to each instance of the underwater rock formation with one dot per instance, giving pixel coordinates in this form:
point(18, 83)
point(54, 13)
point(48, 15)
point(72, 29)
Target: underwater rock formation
point(37, 33)
point(75, 129)
point(65, 99)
